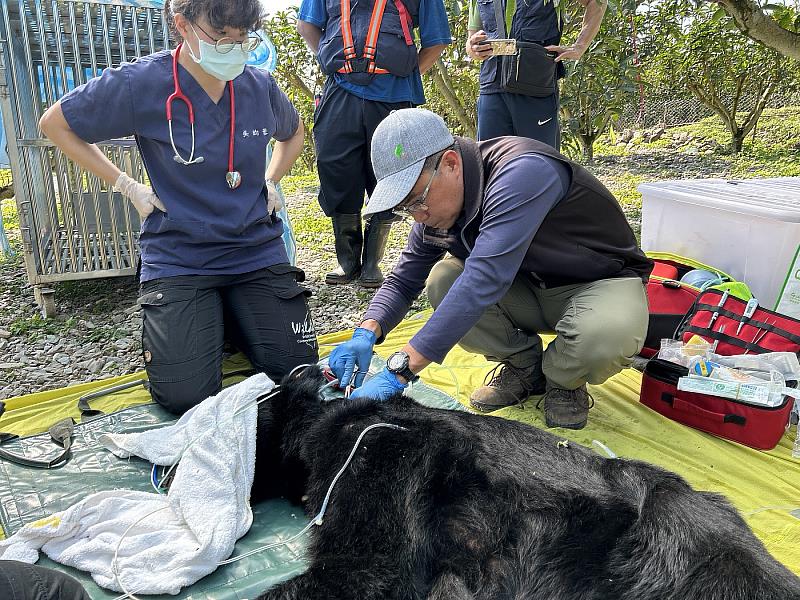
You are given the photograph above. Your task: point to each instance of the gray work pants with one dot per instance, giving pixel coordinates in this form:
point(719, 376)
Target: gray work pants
point(599, 326)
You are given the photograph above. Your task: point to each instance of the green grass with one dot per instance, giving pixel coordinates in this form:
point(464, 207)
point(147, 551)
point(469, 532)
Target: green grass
point(36, 326)
point(624, 188)
point(105, 333)
point(9, 213)
point(774, 151)
point(294, 184)
point(777, 134)
point(312, 228)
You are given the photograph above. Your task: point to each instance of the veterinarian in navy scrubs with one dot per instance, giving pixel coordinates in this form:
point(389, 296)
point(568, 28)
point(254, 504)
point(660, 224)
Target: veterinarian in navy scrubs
point(211, 248)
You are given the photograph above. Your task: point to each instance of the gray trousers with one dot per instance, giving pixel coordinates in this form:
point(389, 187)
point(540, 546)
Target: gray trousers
point(599, 326)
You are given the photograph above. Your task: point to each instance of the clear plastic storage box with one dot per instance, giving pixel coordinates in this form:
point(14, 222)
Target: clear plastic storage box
point(748, 228)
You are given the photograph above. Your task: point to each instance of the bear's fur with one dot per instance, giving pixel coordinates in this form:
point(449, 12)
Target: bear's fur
point(465, 507)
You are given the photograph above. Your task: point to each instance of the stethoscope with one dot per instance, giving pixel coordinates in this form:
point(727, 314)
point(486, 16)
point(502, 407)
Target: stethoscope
point(232, 177)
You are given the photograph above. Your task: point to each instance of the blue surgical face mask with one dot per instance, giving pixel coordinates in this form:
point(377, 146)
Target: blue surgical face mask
point(225, 67)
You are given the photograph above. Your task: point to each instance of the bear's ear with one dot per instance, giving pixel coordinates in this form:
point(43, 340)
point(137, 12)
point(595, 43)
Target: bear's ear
point(300, 406)
point(300, 392)
point(305, 380)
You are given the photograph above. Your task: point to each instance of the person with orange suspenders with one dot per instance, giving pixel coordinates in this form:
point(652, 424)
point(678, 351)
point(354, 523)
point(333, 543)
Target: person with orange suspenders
point(368, 50)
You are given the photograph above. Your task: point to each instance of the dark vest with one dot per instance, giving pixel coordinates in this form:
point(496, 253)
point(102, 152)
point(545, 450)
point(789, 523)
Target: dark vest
point(393, 53)
point(533, 21)
point(584, 238)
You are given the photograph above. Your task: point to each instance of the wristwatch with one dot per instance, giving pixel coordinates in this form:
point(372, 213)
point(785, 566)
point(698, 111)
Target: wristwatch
point(397, 363)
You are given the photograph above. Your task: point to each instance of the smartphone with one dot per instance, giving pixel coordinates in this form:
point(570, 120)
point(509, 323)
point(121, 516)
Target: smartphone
point(503, 46)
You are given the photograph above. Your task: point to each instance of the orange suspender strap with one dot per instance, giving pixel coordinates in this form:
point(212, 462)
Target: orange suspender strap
point(405, 21)
point(347, 33)
point(371, 41)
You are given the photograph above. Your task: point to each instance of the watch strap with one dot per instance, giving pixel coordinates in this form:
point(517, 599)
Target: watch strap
point(408, 374)
point(405, 371)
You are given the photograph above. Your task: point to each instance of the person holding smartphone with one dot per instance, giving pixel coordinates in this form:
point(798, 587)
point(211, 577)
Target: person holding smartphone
point(505, 113)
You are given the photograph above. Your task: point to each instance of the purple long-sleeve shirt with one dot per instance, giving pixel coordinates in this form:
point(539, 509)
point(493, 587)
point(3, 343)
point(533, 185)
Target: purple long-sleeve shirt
point(515, 202)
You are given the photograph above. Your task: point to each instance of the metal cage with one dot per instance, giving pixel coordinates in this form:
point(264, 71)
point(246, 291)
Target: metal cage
point(73, 225)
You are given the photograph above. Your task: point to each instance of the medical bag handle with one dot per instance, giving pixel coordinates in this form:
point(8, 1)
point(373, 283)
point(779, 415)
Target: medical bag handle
point(88, 411)
point(60, 433)
point(708, 415)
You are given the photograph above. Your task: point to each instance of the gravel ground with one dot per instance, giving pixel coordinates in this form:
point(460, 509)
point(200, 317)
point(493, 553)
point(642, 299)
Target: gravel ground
point(97, 333)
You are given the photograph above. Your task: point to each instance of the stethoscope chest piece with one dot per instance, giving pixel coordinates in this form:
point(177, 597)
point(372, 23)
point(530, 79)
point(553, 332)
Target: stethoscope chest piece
point(234, 179)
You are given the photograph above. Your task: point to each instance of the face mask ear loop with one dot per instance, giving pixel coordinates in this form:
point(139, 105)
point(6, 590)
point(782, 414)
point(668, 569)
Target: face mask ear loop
point(199, 46)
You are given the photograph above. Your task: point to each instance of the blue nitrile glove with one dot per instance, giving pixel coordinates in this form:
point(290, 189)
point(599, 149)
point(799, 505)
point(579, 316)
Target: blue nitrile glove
point(357, 351)
point(381, 386)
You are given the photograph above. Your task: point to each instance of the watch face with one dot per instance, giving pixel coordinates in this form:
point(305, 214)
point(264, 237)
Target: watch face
point(397, 361)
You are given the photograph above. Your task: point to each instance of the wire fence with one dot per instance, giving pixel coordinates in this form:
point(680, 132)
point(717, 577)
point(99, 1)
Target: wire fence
point(670, 109)
point(652, 109)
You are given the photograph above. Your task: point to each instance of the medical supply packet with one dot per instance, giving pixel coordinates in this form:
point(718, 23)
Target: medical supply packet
point(680, 353)
point(752, 414)
point(758, 395)
point(759, 382)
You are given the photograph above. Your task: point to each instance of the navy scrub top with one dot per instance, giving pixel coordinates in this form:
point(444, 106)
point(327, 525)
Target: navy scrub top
point(208, 228)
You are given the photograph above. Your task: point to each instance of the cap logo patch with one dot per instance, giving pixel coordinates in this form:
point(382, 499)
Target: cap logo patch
point(399, 151)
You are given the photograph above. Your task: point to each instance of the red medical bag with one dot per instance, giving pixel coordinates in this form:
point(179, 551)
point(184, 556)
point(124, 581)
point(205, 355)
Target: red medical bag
point(764, 331)
point(669, 299)
point(759, 427)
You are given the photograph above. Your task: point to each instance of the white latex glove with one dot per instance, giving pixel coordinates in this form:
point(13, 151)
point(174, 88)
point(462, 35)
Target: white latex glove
point(140, 195)
point(274, 201)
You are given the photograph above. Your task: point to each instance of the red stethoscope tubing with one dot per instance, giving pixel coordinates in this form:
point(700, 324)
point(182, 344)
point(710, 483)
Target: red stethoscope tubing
point(179, 95)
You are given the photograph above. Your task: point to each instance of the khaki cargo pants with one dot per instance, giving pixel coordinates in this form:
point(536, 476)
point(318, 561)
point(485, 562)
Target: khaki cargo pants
point(599, 326)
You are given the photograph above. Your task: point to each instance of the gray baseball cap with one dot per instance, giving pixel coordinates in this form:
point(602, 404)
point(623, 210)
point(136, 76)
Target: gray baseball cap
point(400, 145)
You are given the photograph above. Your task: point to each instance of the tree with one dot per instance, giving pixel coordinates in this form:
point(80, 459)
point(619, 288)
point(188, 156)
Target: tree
point(703, 52)
point(774, 25)
point(451, 85)
point(598, 86)
point(297, 72)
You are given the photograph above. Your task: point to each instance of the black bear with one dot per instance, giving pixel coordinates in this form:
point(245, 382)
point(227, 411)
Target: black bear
point(445, 505)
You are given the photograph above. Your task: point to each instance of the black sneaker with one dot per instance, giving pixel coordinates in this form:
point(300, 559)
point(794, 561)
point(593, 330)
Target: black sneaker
point(508, 385)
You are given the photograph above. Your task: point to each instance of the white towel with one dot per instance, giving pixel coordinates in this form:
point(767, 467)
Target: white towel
point(179, 537)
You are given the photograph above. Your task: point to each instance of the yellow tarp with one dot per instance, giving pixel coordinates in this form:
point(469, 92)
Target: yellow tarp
point(764, 486)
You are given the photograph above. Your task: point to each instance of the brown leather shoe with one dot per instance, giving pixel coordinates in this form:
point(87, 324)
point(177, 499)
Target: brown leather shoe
point(509, 385)
point(567, 408)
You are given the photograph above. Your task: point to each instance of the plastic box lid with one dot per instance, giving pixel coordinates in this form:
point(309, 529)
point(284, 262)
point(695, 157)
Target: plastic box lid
point(774, 198)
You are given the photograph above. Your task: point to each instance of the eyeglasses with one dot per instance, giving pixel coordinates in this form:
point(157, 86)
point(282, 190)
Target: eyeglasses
point(224, 45)
point(409, 208)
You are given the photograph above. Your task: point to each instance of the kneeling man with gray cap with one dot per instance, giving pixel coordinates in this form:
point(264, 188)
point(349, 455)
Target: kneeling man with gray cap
point(511, 240)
